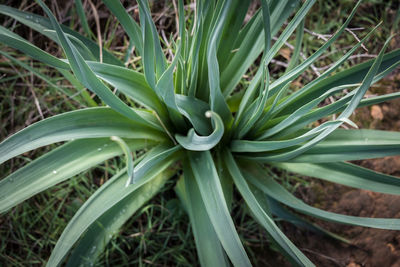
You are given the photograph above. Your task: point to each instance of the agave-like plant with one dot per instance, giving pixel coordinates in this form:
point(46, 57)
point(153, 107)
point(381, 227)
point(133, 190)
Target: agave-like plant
point(198, 121)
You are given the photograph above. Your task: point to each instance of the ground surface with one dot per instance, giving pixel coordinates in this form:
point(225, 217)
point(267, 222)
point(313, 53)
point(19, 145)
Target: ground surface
point(368, 247)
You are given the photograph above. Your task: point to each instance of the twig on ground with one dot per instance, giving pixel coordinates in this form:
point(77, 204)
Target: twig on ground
point(355, 37)
point(339, 263)
point(99, 38)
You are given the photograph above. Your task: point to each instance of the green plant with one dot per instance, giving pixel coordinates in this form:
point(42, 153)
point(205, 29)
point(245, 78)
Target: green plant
point(197, 120)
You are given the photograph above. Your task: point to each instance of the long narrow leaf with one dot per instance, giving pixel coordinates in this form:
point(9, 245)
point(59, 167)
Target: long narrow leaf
point(100, 232)
point(74, 125)
point(279, 193)
point(44, 26)
point(284, 214)
point(213, 197)
point(128, 158)
point(11, 39)
point(355, 100)
point(282, 81)
point(208, 245)
point(250, 44)
point(82, 17)
point(57, 166)
point(109, 195)
point(305, 89)
point(347, 174)
point(153, 57)
point(129, 25)
point(129, 82)
point(264, 146)
point(217, 101)
point(234, 21)
point(300, 112)
point(284, 243)
point(352, 75)
point(86, 76)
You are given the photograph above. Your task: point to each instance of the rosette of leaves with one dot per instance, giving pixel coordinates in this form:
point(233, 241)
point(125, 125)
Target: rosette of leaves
point(199, 122)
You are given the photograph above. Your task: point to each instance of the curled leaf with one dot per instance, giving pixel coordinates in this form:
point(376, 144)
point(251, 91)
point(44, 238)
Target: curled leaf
point(196, 142)
point(129, 159)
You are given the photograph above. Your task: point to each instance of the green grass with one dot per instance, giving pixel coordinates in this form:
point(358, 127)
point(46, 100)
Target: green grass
point(159, 234)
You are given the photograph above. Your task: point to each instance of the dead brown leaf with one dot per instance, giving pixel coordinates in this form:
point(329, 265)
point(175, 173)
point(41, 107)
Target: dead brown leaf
point(376, 112)
point(285, 52)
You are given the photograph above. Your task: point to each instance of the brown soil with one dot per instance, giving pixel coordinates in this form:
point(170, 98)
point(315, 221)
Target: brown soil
point(369, 247)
